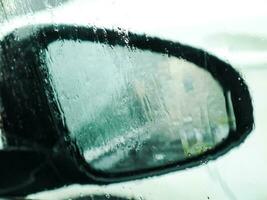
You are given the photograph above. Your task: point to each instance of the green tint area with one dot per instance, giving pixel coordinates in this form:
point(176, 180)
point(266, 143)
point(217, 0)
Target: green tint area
point(131, 109)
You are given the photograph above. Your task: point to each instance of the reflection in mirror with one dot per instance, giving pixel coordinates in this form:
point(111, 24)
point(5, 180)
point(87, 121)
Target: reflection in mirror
point(130, 109)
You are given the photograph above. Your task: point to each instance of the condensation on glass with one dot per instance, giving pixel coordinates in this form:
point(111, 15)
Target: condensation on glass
point(131, 109)
point(12, 8)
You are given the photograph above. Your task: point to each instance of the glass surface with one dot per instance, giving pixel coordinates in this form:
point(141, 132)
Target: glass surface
point(11, 8)
point(234, 31)
point(131, 109)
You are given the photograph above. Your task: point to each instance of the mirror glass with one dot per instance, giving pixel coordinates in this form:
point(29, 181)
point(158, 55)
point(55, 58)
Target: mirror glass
point(131, 109)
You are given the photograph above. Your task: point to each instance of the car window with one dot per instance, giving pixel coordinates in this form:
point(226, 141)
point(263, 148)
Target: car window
point(233, 31)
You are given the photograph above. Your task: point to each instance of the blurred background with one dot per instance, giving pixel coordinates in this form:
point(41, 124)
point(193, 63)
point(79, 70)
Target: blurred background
point(234, 31)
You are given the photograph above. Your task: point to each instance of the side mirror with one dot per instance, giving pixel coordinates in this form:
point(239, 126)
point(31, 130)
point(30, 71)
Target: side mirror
point(120, 106)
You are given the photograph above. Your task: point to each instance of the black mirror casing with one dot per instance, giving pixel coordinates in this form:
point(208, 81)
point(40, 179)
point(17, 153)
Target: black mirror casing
point(33, 117)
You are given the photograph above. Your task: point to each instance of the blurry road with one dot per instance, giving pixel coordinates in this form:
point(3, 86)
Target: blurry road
point(145, 153)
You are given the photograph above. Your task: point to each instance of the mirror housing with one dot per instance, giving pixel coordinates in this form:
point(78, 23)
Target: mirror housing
point(33, 115)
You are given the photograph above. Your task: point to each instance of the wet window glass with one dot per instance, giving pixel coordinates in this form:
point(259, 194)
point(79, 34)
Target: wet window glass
point(233, 31)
